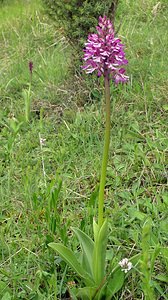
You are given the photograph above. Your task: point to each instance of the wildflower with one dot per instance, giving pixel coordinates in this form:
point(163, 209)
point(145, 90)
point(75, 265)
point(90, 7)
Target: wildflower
point(104, 53)
point(125, 265)
point(42, 141)
point(31, 67)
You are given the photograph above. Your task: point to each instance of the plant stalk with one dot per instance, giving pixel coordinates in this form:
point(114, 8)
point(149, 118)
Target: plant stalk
point(105, 151)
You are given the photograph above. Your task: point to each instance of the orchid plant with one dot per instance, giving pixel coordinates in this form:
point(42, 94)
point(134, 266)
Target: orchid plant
point(103, 53)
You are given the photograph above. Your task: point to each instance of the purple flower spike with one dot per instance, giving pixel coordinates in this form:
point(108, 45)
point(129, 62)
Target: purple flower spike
point(104, 53)
point(31, 67)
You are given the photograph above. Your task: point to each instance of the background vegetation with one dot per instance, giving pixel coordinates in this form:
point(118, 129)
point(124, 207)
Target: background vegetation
point(49, 167)
point(79, 17)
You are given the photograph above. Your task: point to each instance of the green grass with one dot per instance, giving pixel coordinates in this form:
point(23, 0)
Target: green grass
point(137, 177)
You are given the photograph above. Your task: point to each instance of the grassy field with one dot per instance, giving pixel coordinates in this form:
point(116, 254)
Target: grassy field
point(49, 167)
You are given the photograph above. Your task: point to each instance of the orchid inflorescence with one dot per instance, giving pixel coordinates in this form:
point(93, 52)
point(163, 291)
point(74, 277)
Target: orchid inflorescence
point(104, 53)
point(30, 67)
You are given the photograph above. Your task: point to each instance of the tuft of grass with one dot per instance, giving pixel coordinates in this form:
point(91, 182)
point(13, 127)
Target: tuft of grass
point(26, 34)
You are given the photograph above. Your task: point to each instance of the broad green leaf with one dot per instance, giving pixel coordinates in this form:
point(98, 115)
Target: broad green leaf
point(86, 293)
point(87, 246)
point(69, 257)
point(99, 254)
point(6, 296)
point(135, 214)
point(115, 283)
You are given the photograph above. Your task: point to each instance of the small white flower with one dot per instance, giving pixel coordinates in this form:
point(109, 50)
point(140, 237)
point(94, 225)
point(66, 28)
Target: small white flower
point(125, 265)
point(42, 141)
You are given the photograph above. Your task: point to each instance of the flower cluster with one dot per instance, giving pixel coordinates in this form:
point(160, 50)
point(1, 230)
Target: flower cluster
point(125, 265)
point(104, 53)
point(31, 67)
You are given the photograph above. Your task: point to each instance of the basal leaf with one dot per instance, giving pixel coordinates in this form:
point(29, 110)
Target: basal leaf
point(99, 254)
point(87, 246)
point(86, 293)
point(115, 283)
point(69, 257)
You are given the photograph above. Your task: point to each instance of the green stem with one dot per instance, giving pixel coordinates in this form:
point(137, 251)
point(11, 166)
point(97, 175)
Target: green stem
point(105, 152)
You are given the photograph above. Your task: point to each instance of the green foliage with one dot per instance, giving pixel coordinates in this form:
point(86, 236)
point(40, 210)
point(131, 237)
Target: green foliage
point(27, 100)
point(71, 260)
point(146, 265)
point(78, 17)
point(92, 267)
point(99, 253)
point(114, 283)
point(87, 246)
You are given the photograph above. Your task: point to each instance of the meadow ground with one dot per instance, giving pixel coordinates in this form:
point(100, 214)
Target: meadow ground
point(49, 167)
